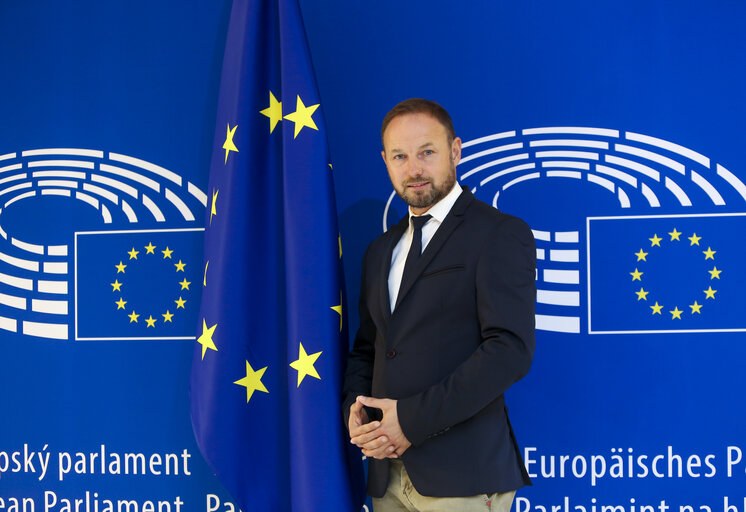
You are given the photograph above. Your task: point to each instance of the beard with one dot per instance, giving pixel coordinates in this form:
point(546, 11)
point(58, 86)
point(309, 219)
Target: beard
point(427, 198)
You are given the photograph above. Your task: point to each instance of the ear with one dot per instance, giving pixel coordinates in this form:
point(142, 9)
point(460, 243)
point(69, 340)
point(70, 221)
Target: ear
point(456, 150)
point(383, 155)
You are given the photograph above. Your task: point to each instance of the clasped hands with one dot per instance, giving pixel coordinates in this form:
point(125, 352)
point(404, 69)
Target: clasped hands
point(378, 439)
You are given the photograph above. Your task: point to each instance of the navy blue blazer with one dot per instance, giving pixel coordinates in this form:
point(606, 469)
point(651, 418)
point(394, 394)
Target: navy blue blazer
point(461, 334)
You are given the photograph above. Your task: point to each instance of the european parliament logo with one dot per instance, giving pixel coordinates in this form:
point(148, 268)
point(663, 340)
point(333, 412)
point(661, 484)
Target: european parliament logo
point(668, 273)
point(97, 245)
point(137, 284)
point(634, 234)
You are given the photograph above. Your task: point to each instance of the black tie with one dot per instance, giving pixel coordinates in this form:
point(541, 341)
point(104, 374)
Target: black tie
point(416, 248)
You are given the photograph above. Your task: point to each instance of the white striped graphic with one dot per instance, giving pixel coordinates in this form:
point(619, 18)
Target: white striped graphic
point(35, 279)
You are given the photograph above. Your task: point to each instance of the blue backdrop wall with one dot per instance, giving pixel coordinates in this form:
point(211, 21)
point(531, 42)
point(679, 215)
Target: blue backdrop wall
point(614, 129)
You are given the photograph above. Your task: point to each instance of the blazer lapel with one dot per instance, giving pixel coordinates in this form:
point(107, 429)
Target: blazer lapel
point(450, 223)
point(395, 233)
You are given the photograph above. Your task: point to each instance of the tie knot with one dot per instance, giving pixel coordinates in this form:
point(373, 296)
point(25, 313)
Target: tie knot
point(418, 222)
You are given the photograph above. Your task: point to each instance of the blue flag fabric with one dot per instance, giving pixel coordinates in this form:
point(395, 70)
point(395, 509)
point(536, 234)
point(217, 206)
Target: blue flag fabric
point(269, 359)
point(668, 273)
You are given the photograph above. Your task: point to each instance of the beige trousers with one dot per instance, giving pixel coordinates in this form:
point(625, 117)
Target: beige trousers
point(401, 496)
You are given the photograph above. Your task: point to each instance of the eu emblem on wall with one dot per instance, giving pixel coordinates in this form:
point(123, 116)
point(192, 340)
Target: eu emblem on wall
point(79, 231)
point(665, 274)
point(137, 284)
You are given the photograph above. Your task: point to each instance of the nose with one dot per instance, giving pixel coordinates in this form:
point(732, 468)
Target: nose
point(414, 167)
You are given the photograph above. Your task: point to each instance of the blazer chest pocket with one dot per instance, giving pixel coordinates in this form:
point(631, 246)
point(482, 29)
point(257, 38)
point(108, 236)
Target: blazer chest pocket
point(442, 270)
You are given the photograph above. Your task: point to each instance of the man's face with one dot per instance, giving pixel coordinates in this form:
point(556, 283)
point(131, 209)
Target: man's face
point(420, 161)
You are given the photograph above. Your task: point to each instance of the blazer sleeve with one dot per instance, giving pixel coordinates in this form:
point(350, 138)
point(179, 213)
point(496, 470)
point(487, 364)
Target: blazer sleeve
point(359, 374)
point(505, 297)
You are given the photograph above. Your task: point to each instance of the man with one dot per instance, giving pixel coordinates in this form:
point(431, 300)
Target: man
point(446, 326)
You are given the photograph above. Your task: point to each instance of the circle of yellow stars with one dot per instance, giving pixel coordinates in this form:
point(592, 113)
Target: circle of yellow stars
point(116, 286)
point(696, 307)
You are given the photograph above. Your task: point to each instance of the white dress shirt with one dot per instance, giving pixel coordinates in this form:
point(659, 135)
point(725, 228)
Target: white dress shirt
point(438, 211)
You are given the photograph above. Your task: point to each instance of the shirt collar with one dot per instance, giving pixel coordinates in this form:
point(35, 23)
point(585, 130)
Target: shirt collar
point(440, 209)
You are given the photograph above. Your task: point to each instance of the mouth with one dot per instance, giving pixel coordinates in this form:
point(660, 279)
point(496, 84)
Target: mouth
point(417, 185)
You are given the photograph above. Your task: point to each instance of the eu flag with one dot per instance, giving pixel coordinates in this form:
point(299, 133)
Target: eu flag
point(268, 363)
point(666, 273)
point(136, 284)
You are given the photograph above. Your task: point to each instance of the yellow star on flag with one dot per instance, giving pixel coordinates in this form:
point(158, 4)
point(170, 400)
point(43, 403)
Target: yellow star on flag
point(252, 381)
point(694, 239)
point(641, 255)
point(185, 284)
point(695, 307)
point(709, 254)
point(167, 253)
point(338, 309)
point(150, 248)
point(676, 313)
point(151, 321)
point(714, 273)
point(167, 316)
point(656, 308)
point(302, 116)
point(213, 207)
point(340, 245)
point(120, 303)
point(656, 240)
point(675, 234)
point(274, 112)
point(710, 293)
point(304, 364)
point(642, 294)
point(204, 279)
point(180, 303)
point(179, 266)
point(636, 275)
point(205, 339)
point(133, 317)
point(116, 285)
point(120, 267)
point(133, 254)
point(228, 145)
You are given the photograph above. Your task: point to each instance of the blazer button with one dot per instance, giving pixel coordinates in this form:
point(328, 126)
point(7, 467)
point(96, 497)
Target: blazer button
point(391, 354)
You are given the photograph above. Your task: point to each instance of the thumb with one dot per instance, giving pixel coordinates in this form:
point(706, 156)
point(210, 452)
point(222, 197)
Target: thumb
point(377, 403)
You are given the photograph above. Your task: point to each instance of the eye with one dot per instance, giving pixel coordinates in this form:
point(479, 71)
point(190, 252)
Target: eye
point(398, 156)
point(428, 152)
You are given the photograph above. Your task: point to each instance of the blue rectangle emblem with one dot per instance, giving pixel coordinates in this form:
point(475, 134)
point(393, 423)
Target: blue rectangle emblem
point(668, 273)
point(133, 285)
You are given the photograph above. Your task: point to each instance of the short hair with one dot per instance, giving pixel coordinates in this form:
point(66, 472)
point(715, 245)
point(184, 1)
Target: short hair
point(420, 106)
